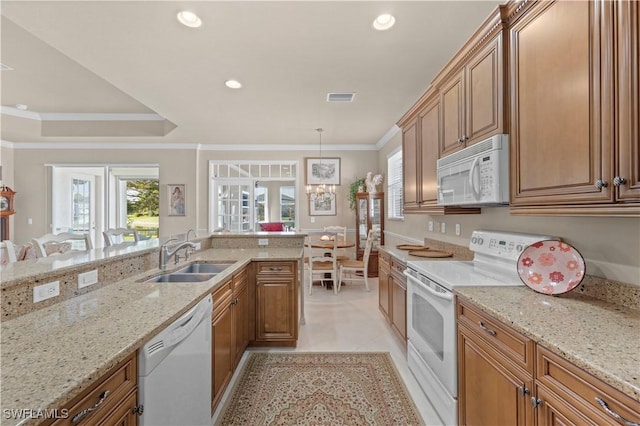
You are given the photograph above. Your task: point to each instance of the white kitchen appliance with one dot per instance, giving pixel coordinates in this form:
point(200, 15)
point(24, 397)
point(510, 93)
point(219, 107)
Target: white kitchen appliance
point(431, 318)
point(477, 175)
point(174, 371)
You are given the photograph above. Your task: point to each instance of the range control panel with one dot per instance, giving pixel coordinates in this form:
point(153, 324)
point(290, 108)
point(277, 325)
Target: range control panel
point(506, 245)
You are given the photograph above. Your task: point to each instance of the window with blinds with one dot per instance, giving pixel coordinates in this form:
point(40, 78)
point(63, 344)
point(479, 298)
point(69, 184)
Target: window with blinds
point(394, 182)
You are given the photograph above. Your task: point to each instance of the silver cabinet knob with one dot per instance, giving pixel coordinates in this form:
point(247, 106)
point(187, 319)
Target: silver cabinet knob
point(617, 181)
point(601, 184)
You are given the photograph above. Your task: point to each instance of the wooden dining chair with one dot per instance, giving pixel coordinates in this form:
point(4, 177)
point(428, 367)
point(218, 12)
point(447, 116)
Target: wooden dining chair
point(39, 244)
point(9, 251)
point(322, 258)
point(116, 236)
point(342, 235)
point(358, 270)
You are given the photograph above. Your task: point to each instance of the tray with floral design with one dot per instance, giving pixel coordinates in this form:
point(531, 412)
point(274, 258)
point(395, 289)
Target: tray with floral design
point(551, 267)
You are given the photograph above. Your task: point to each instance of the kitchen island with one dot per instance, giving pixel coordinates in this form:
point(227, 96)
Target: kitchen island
point(52, 354)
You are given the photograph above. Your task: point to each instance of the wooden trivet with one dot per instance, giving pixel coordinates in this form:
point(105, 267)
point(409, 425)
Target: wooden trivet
point(430, 253)
point(410, 247)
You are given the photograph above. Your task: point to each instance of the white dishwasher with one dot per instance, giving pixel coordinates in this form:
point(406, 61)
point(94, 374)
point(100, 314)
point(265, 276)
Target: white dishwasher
point(174, 371)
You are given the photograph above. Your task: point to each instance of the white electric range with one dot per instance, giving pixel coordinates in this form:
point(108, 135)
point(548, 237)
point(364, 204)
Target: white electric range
point(431, 319)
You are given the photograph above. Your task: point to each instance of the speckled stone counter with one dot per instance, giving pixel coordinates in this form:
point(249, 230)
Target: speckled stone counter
point(595, 335)
point(50, 355)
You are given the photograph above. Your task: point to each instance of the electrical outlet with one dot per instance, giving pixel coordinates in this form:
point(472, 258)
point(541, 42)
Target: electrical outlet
point(87, 278)
point(443, 227)
point(46, 291)
point(263, 241)
point(198, 246)
point(313, 219)
point(458, 229)
point(430, 226)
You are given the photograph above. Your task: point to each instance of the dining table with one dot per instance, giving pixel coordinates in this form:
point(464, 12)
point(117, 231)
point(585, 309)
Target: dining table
point(329, 246)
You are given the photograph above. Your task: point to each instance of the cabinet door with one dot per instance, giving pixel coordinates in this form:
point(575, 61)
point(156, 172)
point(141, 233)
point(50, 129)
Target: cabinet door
point(452, 101)
point(490, 388)
point(223, 350)
point(241, 315)
point(561, 109)
point(485, 93)
point(628, 135)
point(275, 308)
point(124, 414)
point(429, 145)
point(409, 166)
point(554, 411)
point(383, 285)
point(398, 288)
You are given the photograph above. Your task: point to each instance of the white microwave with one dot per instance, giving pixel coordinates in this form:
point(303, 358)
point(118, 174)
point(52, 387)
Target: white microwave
point(477, 175)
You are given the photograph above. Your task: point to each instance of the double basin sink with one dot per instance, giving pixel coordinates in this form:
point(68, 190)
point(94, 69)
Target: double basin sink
point(196, 272)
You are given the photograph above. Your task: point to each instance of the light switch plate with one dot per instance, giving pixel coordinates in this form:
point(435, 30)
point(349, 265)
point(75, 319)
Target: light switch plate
point(457, 229)
point(430, 226)
point(46, 291)
point(443, 227)
point(87, 278)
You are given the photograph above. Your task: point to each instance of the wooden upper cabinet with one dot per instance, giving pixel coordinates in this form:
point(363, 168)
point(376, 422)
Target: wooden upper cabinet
point(564, 133)
point(628, 78)
point(429, 119)
point(473, 98)
point(409, 165)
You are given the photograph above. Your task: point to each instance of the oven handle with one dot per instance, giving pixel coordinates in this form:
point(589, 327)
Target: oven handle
point(445, 296)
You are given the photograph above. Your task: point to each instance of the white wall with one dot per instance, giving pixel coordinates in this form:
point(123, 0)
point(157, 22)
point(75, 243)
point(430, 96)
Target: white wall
point(33, 180)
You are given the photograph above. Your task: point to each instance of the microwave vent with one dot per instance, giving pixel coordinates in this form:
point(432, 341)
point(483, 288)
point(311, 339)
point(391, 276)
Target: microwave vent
point(495, 142)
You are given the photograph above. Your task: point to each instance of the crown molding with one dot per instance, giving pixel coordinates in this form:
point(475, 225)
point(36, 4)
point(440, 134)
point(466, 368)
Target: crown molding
point(180, 146)
point(387, 136)
point(7, 144)
point(76, 116)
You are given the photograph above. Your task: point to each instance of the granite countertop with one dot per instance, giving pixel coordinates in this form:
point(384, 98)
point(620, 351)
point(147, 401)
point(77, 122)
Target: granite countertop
point(597, 336)
point(50, 355)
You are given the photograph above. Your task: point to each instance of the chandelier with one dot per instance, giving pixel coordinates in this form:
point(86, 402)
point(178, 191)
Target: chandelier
point(321, 191)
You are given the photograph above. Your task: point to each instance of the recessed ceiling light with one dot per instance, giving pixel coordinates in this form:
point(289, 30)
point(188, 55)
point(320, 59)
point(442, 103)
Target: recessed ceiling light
point(189, 19)
point(384, 22)
point(233, 84)
point(22, 107)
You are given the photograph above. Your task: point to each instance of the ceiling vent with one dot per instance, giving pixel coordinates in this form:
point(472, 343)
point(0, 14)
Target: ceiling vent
point(340, 97)
point(4, 67)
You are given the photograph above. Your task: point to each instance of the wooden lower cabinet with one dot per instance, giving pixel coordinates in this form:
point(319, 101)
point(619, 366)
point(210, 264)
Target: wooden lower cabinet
point(384, 272)
point(490, 387)
point(392, 293)
point(240, 306)
point(398, 289)
point(112, 400)
point(276, 288)
point(222, 341)
point(506, 379)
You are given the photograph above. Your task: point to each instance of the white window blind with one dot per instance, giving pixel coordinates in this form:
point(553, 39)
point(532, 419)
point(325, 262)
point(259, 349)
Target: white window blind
point(394, 191)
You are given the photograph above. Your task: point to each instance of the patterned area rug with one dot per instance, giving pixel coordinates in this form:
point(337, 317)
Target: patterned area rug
point(319, 389)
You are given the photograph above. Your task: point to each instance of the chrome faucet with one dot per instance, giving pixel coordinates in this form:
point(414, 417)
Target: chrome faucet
point(194, 234)
point(166, 254)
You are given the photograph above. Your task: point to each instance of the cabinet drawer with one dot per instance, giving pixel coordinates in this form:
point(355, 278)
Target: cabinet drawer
point(279, 268)
point(397, 267)
point(581, 389)
point(512, 344)
point(222, 296)
point(110, 391)
point(384, 257)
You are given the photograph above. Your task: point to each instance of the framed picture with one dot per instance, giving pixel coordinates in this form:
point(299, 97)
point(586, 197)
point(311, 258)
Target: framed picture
point(323, 170)
point(321, 207)
point(176, 194)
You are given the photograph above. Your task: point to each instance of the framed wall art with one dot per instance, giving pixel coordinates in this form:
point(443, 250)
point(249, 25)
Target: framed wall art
point(322, 207)
point(322, 170)
point(176, 194)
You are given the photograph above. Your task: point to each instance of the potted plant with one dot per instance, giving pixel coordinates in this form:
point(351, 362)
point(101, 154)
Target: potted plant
point(356, 186)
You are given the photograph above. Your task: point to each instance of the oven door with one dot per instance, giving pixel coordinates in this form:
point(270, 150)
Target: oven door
point(431, 328)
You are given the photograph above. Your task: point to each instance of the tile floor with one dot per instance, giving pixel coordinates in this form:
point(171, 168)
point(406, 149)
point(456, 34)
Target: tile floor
point(351, 322)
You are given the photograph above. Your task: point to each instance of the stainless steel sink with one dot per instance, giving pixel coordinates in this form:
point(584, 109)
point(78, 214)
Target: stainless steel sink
point(204, 268)
point(177, 277)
